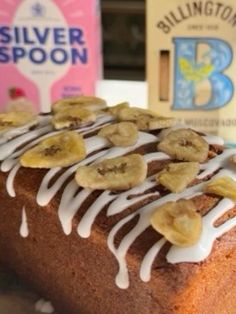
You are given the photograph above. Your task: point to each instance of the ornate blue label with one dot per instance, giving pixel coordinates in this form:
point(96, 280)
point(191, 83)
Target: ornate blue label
point(190, 71)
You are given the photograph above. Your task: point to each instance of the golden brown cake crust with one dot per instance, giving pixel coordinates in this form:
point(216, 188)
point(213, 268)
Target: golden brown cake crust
point(78, 274)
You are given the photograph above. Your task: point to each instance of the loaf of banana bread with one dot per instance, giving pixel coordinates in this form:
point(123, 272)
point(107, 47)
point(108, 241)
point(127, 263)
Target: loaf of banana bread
point(118, 210)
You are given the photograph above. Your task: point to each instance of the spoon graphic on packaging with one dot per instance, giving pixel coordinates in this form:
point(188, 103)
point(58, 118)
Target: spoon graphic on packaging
point(44, 57)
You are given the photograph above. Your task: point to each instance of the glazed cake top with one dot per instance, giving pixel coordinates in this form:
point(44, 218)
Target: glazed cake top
point(88, 146)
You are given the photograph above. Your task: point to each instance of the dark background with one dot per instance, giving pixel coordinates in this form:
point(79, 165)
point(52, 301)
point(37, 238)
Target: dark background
point(124, 39)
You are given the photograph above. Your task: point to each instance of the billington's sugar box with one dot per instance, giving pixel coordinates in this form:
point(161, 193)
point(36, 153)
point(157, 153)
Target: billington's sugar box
point(192, 64)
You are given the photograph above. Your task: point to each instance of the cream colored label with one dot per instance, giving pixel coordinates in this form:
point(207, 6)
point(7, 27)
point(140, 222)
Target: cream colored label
point(199, 40)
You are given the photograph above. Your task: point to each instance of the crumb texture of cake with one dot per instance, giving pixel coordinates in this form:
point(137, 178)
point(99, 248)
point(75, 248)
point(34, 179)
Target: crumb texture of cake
point(118, 210)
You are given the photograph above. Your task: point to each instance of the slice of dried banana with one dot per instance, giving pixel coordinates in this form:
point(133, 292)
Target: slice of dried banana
point(145, 119)
point(61, 150)
point(121, 173)
point(185, 144)
point(12, 120)
point(116, 109)
point(73, 118)
point(177, 176)
point(120, 134)
point(163, 133)
point(178, 222)
point(87, 102)
point(224, 186)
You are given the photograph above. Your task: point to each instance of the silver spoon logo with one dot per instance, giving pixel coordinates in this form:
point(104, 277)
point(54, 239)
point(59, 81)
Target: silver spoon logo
point(38, 10)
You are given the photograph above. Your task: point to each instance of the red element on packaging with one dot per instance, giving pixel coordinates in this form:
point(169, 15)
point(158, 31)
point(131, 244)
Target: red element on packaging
point(16, 92)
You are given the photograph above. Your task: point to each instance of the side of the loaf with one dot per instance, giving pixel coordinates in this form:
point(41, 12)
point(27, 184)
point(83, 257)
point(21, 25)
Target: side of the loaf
point(79, 274)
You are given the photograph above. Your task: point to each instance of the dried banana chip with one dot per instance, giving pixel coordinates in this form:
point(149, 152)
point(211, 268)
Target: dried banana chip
point(86, 102)
point(61, 150)
point(73, 118)
point(178, 222)
point(121, 173)
point(185, 144)
point(163, 133)
point(12, 120)
point(224, 186)
point(120, 134)
point(145, 119)
point(177, 176)
point(116, 109)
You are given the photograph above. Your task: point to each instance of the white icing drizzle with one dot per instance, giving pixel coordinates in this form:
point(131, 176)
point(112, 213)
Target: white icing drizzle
point(122, 278)
point(70, 204)
point(12, 160)
point(214, 140)
point(216, 163)
point(146, 266)
point(202, 249)
point(157, 156)
point(93, 144)
point(41, 121)
point(86, 222)
point(46, 194)
point(10, 155)
point(9, 147)
point(24, 230)
point(66, 216)
point(122, 201)
point(85, 225)
point(101, 121)
point(10, 180)
point(66, 213)
point(37, 136)
point(176, 254)
point(73, 197)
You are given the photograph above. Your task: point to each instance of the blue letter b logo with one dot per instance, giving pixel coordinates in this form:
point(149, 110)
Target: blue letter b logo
point(199, 80)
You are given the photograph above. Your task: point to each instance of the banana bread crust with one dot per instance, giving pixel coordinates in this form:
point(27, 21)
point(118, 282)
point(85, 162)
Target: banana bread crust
point(78, 274)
